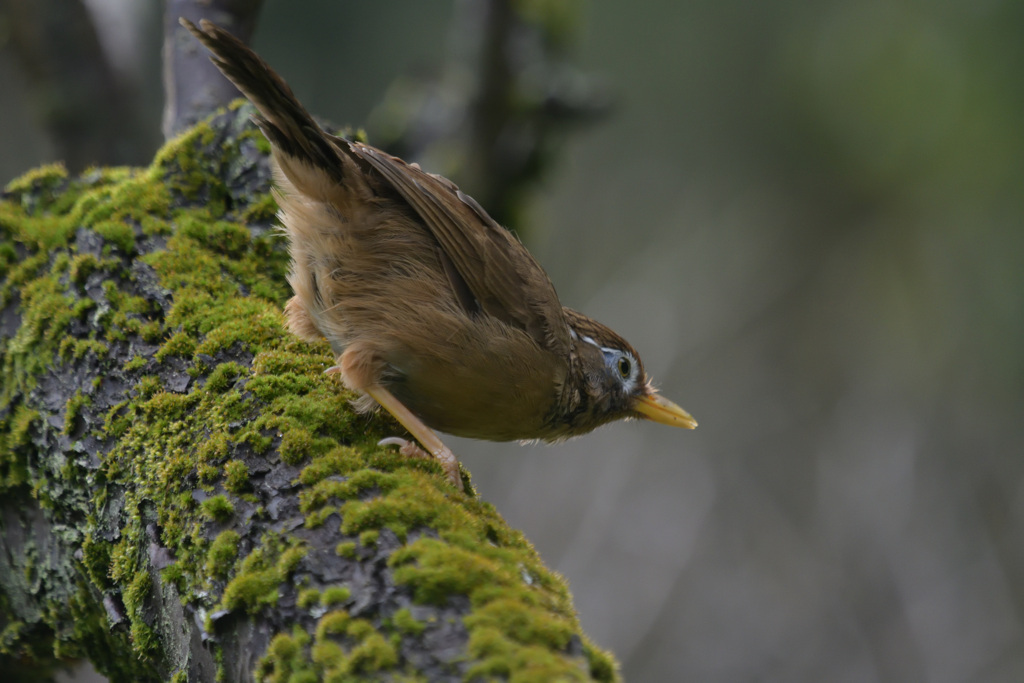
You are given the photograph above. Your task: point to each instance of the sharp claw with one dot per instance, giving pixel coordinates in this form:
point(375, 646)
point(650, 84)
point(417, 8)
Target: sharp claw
point(411, 449)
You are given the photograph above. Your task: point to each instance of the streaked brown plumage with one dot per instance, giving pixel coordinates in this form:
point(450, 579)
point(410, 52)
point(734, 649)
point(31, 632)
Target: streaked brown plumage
point(433, 310)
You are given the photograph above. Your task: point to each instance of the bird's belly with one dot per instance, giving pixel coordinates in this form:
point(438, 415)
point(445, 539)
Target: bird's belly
point(491, 418)
point(497, 397)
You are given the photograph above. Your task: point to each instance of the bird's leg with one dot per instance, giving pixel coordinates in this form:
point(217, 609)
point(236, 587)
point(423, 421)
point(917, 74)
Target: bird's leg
point(355, 367)
point(421, 432)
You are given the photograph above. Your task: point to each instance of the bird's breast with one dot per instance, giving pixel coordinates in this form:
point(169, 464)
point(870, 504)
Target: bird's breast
point(490, 382)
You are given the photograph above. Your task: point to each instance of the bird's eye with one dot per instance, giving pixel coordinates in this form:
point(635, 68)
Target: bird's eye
point(624, 367)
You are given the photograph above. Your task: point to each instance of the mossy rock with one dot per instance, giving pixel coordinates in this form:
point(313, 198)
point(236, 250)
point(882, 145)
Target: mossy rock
point(187, 494)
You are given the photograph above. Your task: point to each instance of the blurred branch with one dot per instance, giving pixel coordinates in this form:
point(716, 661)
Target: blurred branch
point(193, 87)
point(503, 102)
point(83, 105)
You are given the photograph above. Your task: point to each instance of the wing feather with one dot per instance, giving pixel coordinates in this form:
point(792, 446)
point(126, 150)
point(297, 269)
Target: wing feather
point(503, 276)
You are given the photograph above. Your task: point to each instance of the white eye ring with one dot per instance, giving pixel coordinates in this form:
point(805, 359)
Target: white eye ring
point(622, 364)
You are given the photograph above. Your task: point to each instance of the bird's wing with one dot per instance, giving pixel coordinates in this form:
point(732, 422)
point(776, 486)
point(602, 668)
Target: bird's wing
point(490, 271)
point(505, 279)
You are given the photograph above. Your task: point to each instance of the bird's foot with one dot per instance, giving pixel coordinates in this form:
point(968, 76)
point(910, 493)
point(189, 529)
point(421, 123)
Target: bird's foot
point(409, 449)
point(444, 456)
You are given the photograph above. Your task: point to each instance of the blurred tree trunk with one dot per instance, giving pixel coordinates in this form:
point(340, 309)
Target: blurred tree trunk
point(193, 86)
point(88, 111)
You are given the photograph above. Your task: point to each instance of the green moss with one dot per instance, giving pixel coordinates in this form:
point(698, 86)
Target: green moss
point(317, 518)
point(296, 446)
point(334, 623)
point(369, 538)
point(46, 313)
point(117, 421)
point(346, 549)
point(76, 349)
point(51, 176)
point(19, 272)
point(10, 636)
point(603, 666)
point(144, 639)
point(222, 553)
point(406, 623)
point(308, 597)
point(223, 376)
point(218, 508)
point(215, 448)
point(284, 647)
point(148, 386)
point(136, 363)
point(117, 233)
point(289, 561)
point(14, 440)
point(526, 663)
point(72, 409)
point(328, 656)
point(180, 344)
point(230, 239)
point(207, 473)
point(122, 301)
point(82, 266)
point(135, 195)
point(258, 581)
point(261, 210)
point(441, 570)
point(151, 332)
point(155, 436)
point(336, 595)
point(343, 649)
point(286, 660)
point(516, 621)
point(252, 590)
point(96, 560)
point(339, 460)
point(236, 476)
point(374, 653)
point(153, 226)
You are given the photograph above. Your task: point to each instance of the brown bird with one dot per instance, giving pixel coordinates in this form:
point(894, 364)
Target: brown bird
point(433, 310)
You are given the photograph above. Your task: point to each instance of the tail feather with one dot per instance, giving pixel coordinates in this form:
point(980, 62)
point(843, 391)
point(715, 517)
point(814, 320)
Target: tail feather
point(317, 176)
point(285, 122)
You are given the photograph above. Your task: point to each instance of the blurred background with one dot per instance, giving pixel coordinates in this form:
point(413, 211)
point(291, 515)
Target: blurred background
point(808, 219)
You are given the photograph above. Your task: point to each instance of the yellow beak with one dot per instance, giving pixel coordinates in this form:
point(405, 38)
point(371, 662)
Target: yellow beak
point(657, 408)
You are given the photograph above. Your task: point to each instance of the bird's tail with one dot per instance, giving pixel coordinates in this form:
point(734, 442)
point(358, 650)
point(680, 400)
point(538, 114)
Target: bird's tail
point(318, 178)
point(313, 161)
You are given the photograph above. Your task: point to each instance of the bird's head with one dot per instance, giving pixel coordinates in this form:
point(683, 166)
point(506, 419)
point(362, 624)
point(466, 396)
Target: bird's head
point(613, 378)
